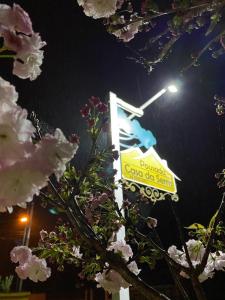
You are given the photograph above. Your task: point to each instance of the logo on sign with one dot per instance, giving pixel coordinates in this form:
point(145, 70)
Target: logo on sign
point(147, 169)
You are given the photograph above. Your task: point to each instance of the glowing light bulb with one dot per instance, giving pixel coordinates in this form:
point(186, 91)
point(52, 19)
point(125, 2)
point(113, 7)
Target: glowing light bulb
point(23, 219)
point(172, 88)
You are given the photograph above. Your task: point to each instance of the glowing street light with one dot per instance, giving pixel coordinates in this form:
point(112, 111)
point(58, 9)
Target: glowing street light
point(24, 219)
point(172, 88)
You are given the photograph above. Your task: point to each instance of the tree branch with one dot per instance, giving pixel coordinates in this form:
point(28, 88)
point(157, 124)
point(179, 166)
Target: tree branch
point(203, 263)
point(194, 277)
point(174, 273)
point(203, 50)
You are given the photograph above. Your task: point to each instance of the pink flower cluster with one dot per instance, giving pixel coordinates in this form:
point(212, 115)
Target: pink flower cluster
point(92, 110)
point(127, 33)
point(109, 279)
point(30, 266)
point(196, 250)
point(19, 37)
point(25, 167)
point(100, 8)
point(95, 103)
point(93, 204)
point(122, 248)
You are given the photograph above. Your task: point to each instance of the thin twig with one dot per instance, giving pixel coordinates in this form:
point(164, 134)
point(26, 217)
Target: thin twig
point(174, 273)
point(203, 263)
point(176, 266)
point(160, 14)
point(181, 235)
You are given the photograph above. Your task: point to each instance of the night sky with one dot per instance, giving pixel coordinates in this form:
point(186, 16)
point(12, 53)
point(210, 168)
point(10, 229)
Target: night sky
point(82, 59)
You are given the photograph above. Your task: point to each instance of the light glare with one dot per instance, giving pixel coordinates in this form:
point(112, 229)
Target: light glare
point(23, 219)
point(172, 88)
point(123, 124)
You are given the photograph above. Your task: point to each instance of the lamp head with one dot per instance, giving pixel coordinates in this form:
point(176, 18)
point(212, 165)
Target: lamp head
point(172, 88)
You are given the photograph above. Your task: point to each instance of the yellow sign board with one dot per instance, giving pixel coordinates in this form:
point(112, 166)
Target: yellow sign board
point(147, 169)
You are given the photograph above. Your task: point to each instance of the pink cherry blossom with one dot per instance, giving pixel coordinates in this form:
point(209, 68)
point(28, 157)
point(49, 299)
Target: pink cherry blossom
point(127, 33)
point(30, 67)
point(15, 135)
point(53, 152)
point(12, 40)
point(30, 266)
point(21, 20)
point(8, 95)
point(16, 30)
point(43, 234)
point(5, 11)
point(196, 251)
point(19, 183)
point(175, 254)
point(132, 266)
point(111, 281)
point(76, 252)
point(218, 259)
point(20, 254)
point(25, 167)
point(15, 18)
point(122, 248)
point(99, 8)
point(22, 271)
point(31, 57)
point(35, 269)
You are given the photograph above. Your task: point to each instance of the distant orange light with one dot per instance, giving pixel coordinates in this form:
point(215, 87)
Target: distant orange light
point(24, 219)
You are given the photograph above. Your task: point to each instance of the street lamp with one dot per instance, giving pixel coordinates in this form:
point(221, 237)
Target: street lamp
point(24, 219)
point(172, 88)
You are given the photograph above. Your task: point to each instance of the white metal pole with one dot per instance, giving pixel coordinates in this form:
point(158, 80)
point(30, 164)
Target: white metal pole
point(26, 237)
point(118, 193)
point(150, 101)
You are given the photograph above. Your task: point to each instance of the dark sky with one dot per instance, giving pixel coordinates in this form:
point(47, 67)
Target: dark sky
point(82, 59)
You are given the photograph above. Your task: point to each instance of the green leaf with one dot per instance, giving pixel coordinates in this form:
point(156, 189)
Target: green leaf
point(212, 221)
point(215, 18)
point(195, 226)
point(152, 6)
point(147, 259)
point(177, 21)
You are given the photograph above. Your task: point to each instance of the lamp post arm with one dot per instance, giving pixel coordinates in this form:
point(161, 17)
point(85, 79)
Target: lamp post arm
point(150, 101)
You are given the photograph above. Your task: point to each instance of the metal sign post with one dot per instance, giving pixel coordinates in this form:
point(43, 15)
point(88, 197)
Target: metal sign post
point(118, 193)
point(147, 140)
point(26, 240)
